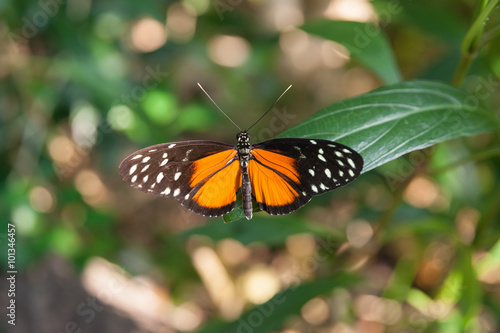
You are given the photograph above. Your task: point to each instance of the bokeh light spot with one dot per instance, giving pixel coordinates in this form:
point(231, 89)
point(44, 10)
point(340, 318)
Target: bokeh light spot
point(232, 252)
point(301, 245)
point(181, 22)
point(161, 107)
point(350, 10)
point(120, 117)
point(316, 311)
point(260, 284)
point(200, 6)
point(359, 233)
point(108, 26)
point(41, 199)
point(25, 219)
point(84, 122)
point(421, 192)
point(89, 184)
point(147, 35)
point(229, 51)
point(62, 149)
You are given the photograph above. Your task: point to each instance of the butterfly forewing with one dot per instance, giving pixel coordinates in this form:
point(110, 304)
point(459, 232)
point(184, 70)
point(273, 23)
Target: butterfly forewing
point(204, 176)
point(286, 173)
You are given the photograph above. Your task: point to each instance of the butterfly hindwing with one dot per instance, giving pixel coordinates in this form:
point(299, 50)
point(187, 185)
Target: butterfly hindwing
point(204, 176)
point(286, 173)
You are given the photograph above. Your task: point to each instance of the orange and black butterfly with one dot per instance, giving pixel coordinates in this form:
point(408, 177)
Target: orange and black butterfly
point(281, 175)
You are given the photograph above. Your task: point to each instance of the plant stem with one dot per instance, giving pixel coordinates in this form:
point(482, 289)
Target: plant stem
point(472, 42)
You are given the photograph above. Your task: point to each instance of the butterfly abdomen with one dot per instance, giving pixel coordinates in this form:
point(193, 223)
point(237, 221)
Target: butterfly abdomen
point(246, 194)
point(244, 155)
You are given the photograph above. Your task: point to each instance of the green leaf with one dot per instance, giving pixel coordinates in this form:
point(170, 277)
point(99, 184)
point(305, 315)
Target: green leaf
point(436, 18)
point(272, 314)
point(394, 120)
point(366, 42)
point(270, 231)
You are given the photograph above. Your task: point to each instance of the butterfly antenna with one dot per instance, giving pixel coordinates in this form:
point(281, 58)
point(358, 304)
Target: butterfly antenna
point(270, 108)
point(219, 107)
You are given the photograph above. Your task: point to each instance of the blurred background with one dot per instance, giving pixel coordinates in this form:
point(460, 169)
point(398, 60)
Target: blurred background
point(85, 83)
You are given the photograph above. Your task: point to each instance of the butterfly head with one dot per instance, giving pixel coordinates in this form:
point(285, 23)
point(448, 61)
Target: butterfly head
point(243, 136)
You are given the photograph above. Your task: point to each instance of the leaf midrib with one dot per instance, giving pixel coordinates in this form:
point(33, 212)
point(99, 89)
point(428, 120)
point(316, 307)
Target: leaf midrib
point(453, 101)
point(394, 117)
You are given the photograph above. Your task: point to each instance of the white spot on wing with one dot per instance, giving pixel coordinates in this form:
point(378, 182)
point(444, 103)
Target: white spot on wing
point(176, 192)
point(186, 196)
point(323, 187)
point(164, 155)
point(345, 150)
point(145, 168)
point(164, 162)
point(313, 142)
point(136, 157)
point(328, 173)
point(351, 173)
point(159, 177)
point(134, 179)
point(314, 188)
point(339, 154)
point(351, 163)
point(152, 150)
point(177, 175)
point(171, 145)
point(321, 151)
point(145, 179)
point(341, 173)
point(340, 163)
point(132, 169)
point(311, 171)
point(167, 191)
point(145, 159)
point(321, 157)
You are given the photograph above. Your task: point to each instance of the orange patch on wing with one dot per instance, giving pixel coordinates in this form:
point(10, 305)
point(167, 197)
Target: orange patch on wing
point(268, 187)
point(220, 189)
point(281, 163)
point(204, 167)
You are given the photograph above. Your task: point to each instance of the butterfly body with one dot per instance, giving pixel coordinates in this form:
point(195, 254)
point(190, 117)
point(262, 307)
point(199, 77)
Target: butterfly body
point(281, 175)
point(244, 149)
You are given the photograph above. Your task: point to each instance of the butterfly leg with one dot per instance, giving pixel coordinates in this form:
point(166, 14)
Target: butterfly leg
point(246, 193)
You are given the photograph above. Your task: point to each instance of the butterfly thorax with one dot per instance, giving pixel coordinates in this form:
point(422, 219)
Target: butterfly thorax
point(244, 148)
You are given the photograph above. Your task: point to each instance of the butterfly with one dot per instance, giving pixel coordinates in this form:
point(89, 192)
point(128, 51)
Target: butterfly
point(281, 175)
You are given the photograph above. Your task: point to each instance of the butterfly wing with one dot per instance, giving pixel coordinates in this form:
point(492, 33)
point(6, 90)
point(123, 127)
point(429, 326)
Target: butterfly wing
point(287, 173)
point(202, 175)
